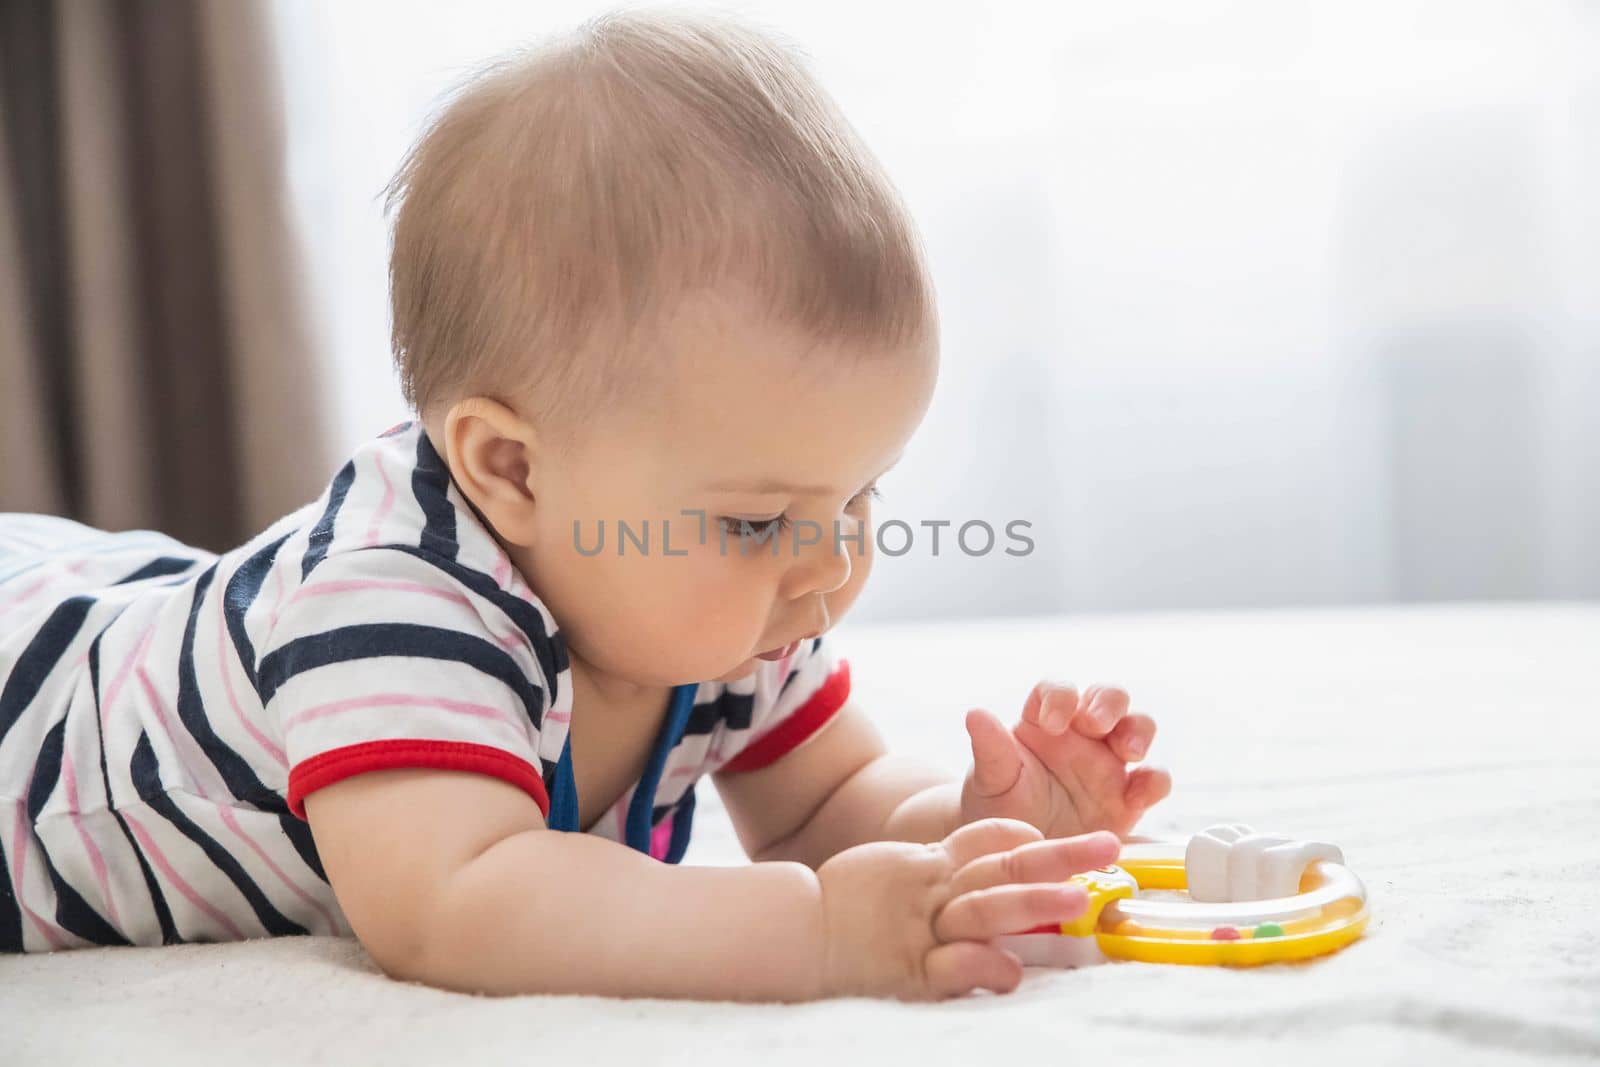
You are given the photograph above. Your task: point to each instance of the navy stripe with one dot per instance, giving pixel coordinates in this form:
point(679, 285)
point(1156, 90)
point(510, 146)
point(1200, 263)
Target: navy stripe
point(147, 781)
point(241, 592)
point(10, 910)
point(73, 913)
point(549, 647)
point(39, 658)
point(159, 567)
point(243, 587)
point(430, 483)
point(384, 639)
point(158, 903)
point(728, 707)
point(235, 770)
point(738, 709)
point(322, 533)
point(46, 769)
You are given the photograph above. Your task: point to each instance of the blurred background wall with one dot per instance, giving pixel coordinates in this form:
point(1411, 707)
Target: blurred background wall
point(1245, 304)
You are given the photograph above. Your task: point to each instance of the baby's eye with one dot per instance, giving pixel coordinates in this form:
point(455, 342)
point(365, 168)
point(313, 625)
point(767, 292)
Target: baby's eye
point(754, 527)
point(871, 492)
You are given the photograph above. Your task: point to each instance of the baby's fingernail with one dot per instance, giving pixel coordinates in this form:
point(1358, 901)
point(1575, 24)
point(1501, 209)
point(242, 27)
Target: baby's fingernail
point(1136, 749)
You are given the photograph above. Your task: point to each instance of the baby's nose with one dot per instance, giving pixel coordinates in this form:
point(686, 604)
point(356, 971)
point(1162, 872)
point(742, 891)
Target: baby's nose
point(821, 565)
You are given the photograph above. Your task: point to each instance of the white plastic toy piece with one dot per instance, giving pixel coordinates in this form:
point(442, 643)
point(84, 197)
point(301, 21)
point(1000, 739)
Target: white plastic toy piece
point(1228, 862)
point(1251, 898)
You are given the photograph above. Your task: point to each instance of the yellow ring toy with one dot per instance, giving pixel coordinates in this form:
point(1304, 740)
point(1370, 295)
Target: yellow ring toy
point(1230, 896)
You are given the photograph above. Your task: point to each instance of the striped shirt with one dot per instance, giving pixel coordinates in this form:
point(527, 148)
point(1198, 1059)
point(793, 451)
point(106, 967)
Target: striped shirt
point(164, 711)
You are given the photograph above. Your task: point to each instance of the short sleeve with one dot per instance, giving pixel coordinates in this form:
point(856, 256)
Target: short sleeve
point(793, 700)
point(384, 659)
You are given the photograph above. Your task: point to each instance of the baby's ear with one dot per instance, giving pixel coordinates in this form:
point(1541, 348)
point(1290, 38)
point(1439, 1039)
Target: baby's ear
point(491, 451)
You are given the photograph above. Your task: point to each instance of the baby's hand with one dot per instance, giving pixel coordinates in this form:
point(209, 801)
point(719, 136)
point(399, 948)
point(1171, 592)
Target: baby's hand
point(1064, 766)
point(913, 921)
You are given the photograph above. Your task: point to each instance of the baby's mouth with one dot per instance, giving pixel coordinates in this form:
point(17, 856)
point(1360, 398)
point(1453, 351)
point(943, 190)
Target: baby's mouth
point(779, 653)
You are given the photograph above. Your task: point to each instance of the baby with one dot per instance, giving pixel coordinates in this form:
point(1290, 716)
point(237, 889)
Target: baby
point(645, 275)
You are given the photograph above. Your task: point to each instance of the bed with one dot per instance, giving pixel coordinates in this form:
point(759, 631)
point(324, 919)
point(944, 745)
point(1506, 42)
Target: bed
point(1452, 751)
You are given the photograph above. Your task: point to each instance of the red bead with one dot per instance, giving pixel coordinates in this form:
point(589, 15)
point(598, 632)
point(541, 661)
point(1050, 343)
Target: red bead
point(1225, 933)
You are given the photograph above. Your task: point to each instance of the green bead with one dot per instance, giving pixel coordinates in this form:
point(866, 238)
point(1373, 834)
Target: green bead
point(1269, 930)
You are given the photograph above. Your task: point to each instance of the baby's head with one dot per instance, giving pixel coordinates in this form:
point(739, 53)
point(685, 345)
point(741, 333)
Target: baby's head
point(648, 273)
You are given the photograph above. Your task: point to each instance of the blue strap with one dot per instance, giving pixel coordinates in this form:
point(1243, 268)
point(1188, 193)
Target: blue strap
point(682, 823)
point(564, 792)
point(642, 808)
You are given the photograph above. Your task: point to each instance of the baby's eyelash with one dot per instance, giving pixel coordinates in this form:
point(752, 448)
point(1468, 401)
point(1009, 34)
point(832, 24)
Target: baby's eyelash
point(758, 527)
point(780, 523)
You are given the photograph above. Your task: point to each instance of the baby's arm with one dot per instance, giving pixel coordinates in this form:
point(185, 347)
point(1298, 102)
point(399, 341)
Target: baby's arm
point(451, 879)
point(840, 789)
point(1064, 768)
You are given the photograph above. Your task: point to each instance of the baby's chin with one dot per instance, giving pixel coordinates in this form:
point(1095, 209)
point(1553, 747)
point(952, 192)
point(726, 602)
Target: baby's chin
point(743, 670)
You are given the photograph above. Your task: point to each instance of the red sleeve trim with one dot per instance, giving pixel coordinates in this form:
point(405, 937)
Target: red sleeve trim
point(796, 727)
point(337, 764)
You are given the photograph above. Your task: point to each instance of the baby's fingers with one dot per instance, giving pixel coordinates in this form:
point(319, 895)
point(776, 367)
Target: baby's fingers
point(966, 843)
point(1131, 737)
point(1050, 706)
point(1102, 707)
point(1008, 909)
point(958, 969)
point(1146, 786)
point(1043, 861)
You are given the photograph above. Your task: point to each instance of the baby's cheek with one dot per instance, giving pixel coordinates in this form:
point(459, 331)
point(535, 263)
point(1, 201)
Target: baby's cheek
point(720, 608)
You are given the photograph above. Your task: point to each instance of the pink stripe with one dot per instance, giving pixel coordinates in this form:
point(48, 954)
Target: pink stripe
point(383, 506)
point(227, 815)
point(75, 567)
point(558, 716)
point(97, 862)
point(148, 843)
point(233, 824)
point(684, 772)
point(198, 759)
point(30, 591)
point(409, 700)
point(661, 838)
point(356, 585)
point(114, 689)
point(502, 571)
point(233, 699)
point(23, 835)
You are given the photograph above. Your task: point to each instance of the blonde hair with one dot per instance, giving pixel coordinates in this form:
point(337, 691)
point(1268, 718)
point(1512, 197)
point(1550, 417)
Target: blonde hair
point(571, 191)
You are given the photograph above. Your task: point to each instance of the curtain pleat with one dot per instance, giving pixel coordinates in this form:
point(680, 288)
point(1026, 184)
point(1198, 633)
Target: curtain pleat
point(156, 366)
point(177, 271)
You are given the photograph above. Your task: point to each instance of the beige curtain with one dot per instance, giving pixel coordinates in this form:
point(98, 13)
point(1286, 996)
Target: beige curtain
point(158, 368)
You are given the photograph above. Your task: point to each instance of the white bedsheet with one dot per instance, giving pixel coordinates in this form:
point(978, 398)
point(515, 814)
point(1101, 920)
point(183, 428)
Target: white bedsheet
point(1453, 752)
